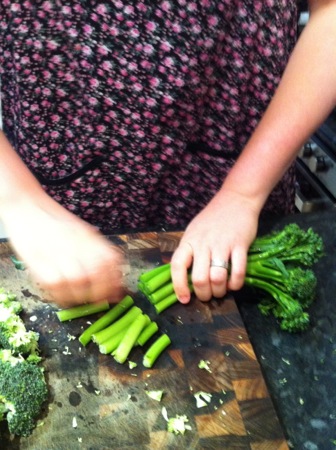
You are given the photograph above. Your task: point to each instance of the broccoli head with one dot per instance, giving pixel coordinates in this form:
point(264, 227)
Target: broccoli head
point(14, 336)
point(13, 333)
point(8, 300)
point(23, 391)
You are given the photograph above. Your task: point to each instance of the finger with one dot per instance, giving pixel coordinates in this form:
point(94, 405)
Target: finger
point(113, 271)
point(201, 275)
point(51, 281)
point(70, 282)
point(99, 279)
point(66, 283)
point(180, 263)
point(108, 286)
point(238, 268)
point(218, 276)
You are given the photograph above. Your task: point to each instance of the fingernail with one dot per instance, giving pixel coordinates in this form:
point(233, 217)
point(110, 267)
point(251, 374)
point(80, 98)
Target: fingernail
point(184, 299)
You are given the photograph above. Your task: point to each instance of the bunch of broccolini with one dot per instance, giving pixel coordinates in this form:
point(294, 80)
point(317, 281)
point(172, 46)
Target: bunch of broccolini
point(279, 264)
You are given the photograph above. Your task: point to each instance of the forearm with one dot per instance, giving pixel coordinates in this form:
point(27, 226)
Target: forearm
point(305, 96)
point(17, 182)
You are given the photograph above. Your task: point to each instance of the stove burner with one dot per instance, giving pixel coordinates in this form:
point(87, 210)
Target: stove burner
point(316, 167)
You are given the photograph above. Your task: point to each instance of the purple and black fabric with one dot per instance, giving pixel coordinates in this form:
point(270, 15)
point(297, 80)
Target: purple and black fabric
point(132, 113)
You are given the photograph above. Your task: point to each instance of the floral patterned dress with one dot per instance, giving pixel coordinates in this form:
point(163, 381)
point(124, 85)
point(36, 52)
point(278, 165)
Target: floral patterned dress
point(131, 113)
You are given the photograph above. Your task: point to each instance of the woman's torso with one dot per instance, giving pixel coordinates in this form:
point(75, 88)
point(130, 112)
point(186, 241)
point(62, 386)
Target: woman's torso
point(132, 113)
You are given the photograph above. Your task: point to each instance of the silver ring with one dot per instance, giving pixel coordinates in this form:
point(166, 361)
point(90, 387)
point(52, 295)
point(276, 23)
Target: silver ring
point(217, 262)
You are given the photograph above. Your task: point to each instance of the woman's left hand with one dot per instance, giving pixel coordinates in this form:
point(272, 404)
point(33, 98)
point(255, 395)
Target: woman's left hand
point(219, 235)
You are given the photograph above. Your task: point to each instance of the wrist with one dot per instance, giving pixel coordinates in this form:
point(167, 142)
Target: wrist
point(244, 195)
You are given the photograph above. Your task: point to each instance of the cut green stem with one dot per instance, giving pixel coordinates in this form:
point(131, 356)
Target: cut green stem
point(82, 311)
point(129, 339)
point(106, 319)
point(112, 343)
point(166, 303)
point(147, 333)
point(155, 350)
point(144, 277)
point(102, 335)
point(158, 280)
point(161, 293)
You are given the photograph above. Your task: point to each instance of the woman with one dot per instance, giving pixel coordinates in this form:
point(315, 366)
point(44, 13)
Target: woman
point(139, 115)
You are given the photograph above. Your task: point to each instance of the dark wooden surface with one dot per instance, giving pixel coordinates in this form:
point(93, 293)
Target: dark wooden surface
point(109, 401)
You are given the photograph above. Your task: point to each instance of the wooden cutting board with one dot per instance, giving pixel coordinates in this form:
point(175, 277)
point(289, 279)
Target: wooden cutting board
point(108, 400)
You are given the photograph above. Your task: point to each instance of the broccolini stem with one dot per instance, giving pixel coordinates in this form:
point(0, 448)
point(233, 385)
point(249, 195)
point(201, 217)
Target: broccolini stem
point(166, 303)
point(257, 268)
point(274, 238)
point(290, 306)
point(112, 343)
point(106, 319)
point(146, 276)
point(161, 293)
point(272, 252)
point(82, 310)
point(147, 333)
point(130, 337)
point(158, 280)
point(102, 335)
point(155, 350)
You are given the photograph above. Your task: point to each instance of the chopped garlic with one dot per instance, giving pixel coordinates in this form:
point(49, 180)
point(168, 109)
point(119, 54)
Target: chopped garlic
point(177, 424)
point(204, 365)
point(71, 337)
point(132, 364)
point(155, 395)
point(164, 413)
point(202, 399)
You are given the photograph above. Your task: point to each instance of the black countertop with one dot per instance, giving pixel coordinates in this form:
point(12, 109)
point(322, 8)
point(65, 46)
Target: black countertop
point(300, 369)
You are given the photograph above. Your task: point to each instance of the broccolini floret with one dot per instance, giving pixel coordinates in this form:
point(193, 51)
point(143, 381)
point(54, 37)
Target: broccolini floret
point(23, 391)
point(291, 244)
point(279, 264)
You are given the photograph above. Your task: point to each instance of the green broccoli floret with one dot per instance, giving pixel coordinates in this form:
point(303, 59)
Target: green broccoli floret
point(23, 391)
point(13, 333)
point(8, 308)
point(6, 297)
point(14, 336)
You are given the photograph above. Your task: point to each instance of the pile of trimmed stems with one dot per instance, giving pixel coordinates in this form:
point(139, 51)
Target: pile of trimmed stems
point(157, 286)
point(119, 330)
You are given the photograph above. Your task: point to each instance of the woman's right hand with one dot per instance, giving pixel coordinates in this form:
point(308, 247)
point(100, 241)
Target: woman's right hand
point(68, 258)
